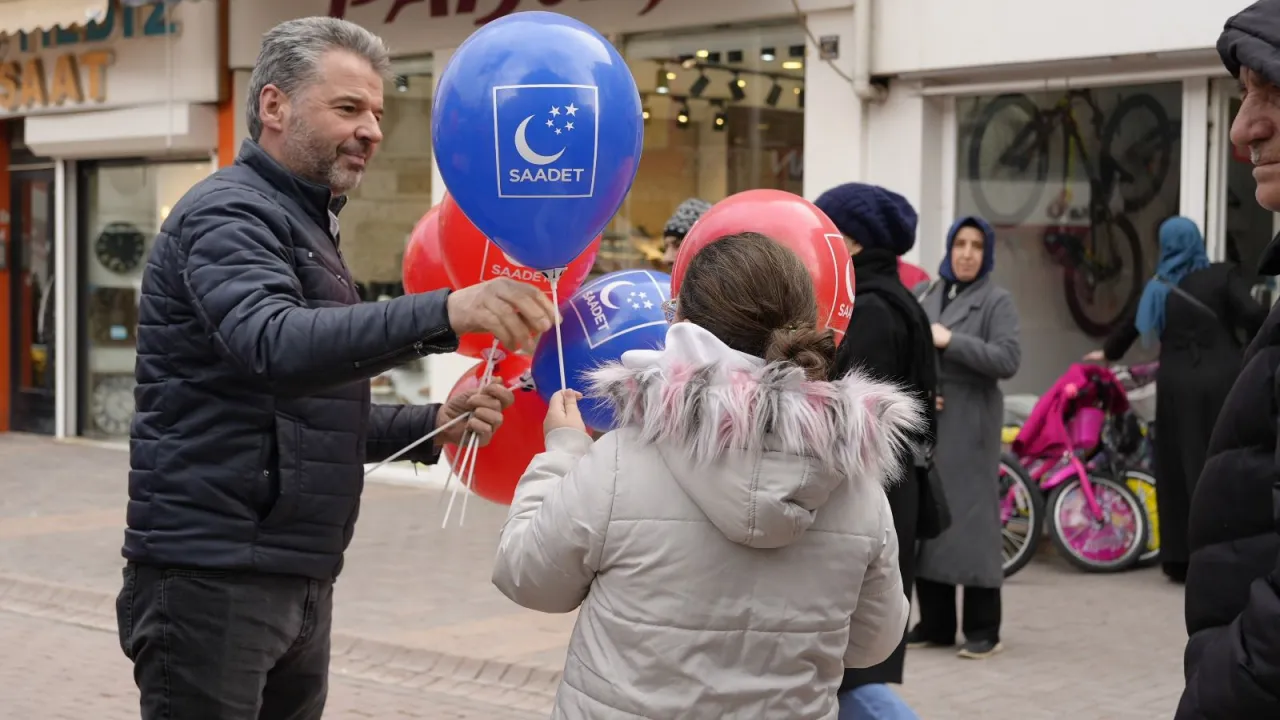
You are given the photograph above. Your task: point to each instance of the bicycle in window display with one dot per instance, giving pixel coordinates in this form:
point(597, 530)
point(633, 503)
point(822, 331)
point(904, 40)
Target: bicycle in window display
point(1009, 155)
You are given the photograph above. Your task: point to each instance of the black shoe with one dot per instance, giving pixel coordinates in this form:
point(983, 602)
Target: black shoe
point(917, 639)
point(980, 649)
point(1175, 571)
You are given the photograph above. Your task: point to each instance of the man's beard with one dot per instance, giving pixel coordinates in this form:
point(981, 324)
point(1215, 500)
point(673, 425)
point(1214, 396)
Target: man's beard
point(312, 158)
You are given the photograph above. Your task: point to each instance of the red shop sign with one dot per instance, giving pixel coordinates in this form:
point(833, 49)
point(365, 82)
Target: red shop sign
point(440, 8)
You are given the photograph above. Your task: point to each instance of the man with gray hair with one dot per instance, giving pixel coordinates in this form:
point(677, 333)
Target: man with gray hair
point(1232, 660)
point(253, 418)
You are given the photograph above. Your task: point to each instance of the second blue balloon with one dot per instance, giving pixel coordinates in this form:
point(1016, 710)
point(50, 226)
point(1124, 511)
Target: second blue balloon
point(610, 315)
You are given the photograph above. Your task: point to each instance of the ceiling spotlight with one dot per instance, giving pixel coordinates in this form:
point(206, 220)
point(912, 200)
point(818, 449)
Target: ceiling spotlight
point(775, 92)
point(671, 75)
point(703, 53)
point(402, 83)
point(661, 82)
point(735, 57)
point(767, 54)
point(645, 113)
point(699, 85)
point(721, 119)
point(736, 86)
point(682, 117)
point(688, 62)
point(792, 65)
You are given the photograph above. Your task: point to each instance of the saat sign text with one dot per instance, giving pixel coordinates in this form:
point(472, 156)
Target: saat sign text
point(72, 79)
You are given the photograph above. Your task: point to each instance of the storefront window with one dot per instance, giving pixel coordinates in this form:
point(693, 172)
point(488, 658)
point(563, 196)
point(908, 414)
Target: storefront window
point(725, 113)
point(122, 208)
point(1076, 183)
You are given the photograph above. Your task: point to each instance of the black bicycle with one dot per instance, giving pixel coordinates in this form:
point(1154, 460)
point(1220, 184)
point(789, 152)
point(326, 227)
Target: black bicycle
point(1097, 246)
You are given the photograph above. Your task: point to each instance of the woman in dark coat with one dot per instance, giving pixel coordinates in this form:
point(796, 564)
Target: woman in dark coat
point(889, 336)
point(1200, 354)
point(976, 332)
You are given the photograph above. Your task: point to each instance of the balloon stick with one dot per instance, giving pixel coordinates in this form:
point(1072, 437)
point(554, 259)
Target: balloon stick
point(419, 441)
point(467, 468)
point(457, 467)
point(553, 276)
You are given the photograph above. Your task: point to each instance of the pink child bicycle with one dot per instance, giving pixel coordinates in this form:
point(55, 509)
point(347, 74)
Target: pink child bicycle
point(1094, 520)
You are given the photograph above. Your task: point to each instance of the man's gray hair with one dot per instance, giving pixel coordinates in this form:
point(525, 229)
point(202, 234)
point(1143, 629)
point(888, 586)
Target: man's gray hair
point(291, 53)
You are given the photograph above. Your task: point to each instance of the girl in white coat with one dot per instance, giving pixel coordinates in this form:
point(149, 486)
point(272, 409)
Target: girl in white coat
point(730, 545)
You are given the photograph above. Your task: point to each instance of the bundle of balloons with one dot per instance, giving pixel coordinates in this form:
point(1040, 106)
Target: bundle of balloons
point(529, 202)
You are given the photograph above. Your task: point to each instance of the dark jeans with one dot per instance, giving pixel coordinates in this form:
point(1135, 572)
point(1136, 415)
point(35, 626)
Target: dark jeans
point(937, 602)
point(214, 645)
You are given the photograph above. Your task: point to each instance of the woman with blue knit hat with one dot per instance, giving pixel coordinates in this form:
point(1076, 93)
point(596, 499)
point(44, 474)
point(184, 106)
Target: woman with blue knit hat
point(888, 336)
point(975, 330)
point(1193, 308)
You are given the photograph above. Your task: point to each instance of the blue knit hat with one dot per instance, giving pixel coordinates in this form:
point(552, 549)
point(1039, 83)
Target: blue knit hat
point(873, 216)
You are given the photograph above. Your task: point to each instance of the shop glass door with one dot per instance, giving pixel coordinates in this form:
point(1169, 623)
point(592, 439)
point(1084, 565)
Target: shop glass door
point(33, 340)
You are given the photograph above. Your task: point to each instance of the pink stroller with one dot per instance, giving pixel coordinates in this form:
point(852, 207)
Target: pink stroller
point(1096, 522)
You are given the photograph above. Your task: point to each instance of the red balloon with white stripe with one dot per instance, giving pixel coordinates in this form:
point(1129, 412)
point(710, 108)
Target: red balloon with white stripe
point(793, 222)
point(471, 258)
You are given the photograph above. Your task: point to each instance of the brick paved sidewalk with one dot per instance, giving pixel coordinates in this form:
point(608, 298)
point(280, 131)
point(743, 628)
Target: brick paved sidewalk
point(414, 605)
point(67, 672)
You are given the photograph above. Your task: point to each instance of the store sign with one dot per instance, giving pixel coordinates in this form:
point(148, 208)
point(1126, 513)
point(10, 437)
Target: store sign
point(416, 27)
point(440, 8)
point(71, 79)
point(117, 61)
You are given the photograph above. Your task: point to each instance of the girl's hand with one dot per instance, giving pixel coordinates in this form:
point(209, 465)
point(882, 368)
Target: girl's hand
point(1097, 356)
point(563, 412)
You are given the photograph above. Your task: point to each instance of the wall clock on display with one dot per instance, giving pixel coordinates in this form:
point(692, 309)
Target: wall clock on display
point(111, 405)
point(119, 247)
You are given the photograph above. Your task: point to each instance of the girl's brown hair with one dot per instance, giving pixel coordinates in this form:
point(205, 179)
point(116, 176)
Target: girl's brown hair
point(757, 297)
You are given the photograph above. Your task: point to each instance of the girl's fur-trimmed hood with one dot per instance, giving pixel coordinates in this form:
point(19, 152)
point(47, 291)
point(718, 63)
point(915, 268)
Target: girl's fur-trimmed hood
point(732, 426)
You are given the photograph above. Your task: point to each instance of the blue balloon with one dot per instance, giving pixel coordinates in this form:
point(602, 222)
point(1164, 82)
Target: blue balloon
point(537, 128)
point(610, 315)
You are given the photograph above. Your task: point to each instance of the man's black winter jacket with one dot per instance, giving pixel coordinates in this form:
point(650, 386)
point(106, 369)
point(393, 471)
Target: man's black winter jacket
point(254, 357)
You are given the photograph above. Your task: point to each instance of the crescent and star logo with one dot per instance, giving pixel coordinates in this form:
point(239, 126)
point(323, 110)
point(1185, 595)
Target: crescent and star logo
point(546, 139)
point(619, 303)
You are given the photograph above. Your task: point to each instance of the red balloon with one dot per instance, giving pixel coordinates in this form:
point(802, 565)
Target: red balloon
point(470, 258)
point(796, 224)
point(424, 271)
point(476, 344)
point(911, 275)
point(499, 465)
point(423, 268)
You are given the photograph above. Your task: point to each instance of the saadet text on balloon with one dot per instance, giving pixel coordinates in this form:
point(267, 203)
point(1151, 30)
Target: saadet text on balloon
point(546, 175)
point(596, 310)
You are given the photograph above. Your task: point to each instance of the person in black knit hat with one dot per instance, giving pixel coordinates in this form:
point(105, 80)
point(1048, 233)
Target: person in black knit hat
point(681, 222)
point(888, 335)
